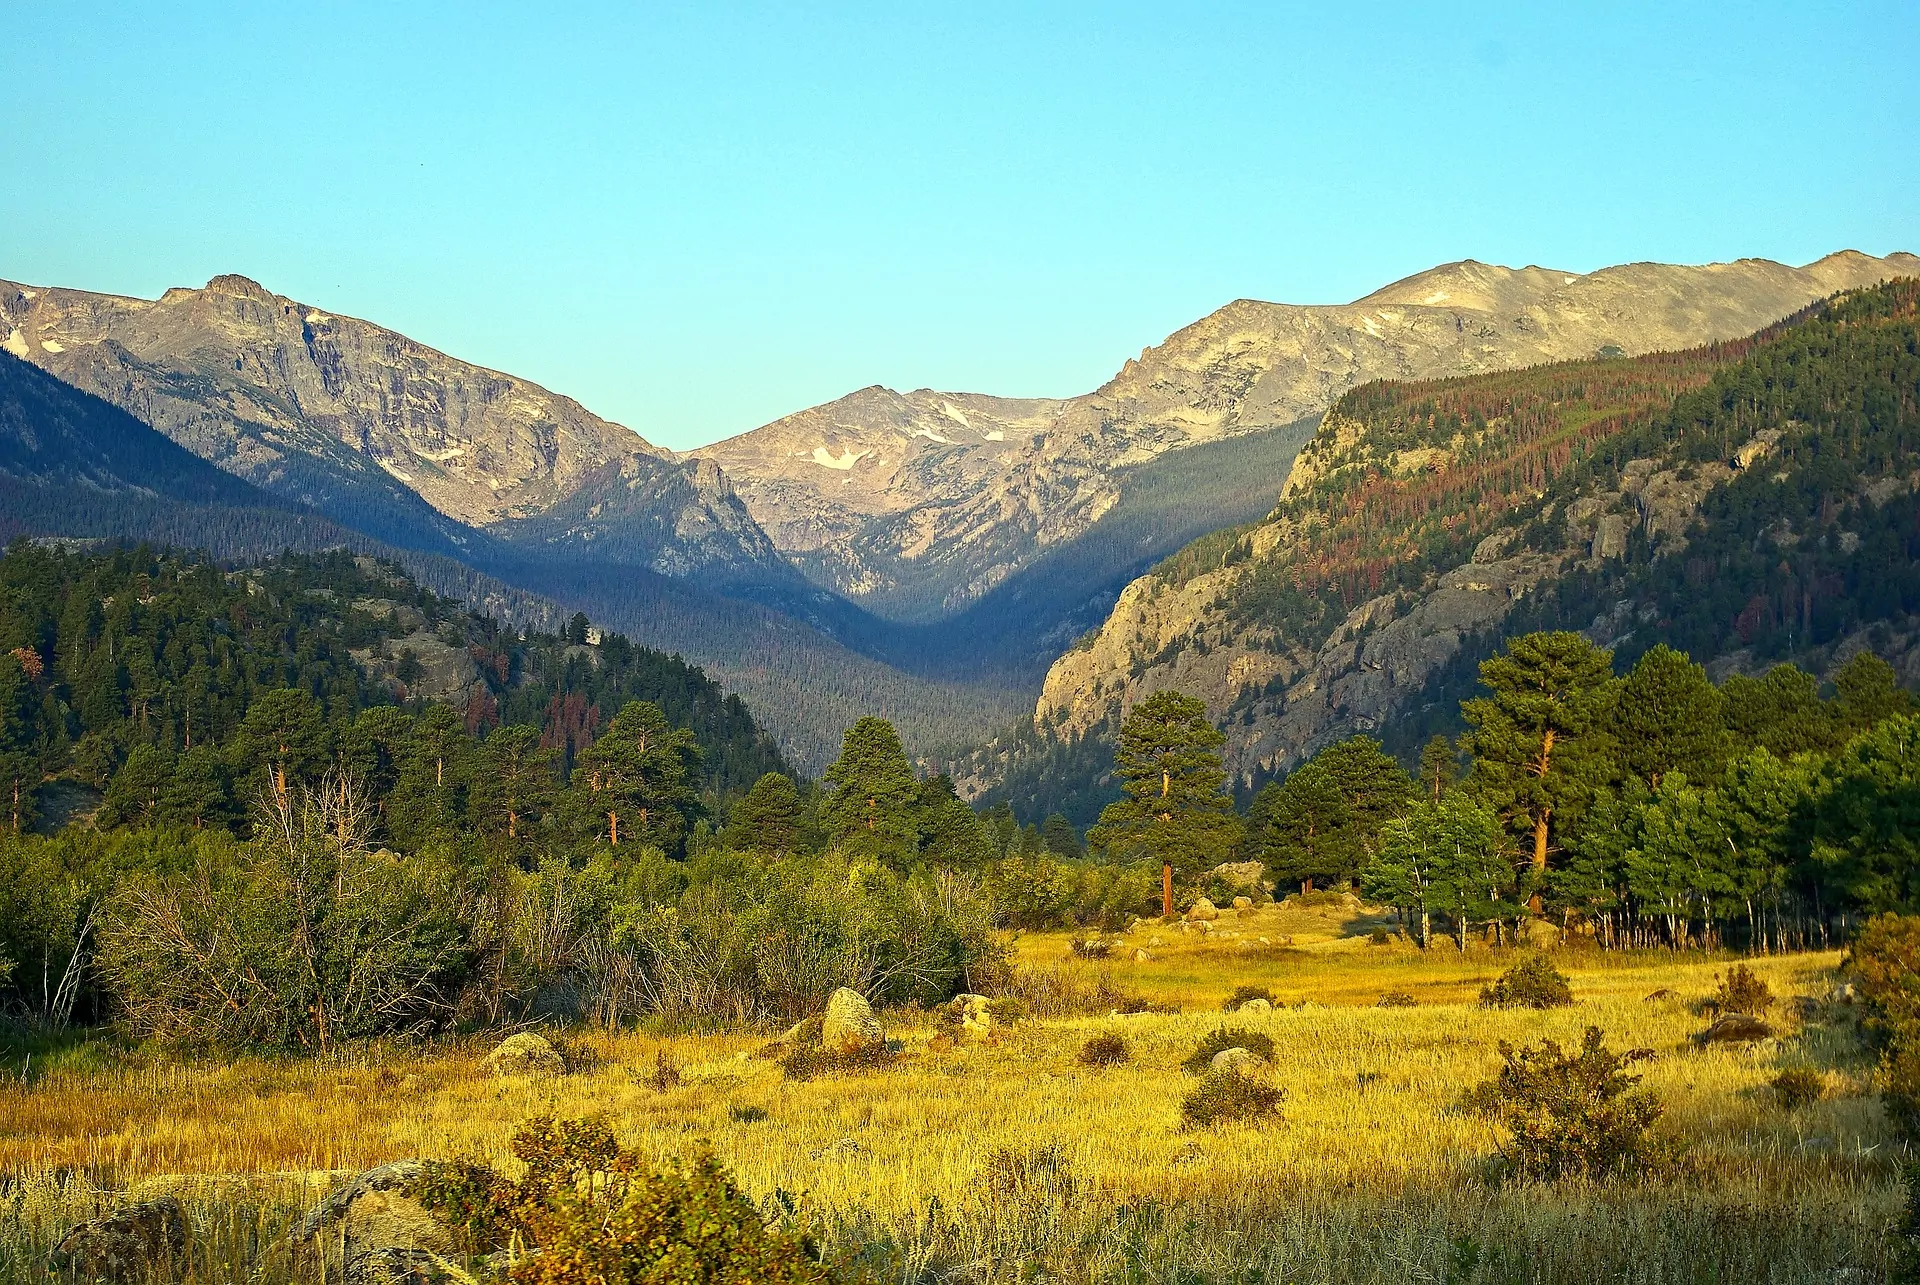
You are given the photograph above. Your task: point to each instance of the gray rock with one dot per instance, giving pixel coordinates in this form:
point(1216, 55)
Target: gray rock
point(849, 1025)
point(137, 1242)
point(370, 1225)
point(1202, 910)
point(525, 1053)
point(1255, 1005)
point(1234, 1061)
point(1736, 1028)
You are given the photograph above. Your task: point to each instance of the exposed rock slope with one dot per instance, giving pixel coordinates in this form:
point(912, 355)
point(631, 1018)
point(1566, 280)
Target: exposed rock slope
point(916, 503)
point(372, 427)
point(1427, 519)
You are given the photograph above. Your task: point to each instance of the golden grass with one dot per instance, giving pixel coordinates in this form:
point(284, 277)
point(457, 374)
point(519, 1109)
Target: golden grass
point(1373, 1175)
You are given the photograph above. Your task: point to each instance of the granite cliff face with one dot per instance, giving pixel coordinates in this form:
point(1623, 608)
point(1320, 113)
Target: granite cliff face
point(373, 428)
point(1413, 527)
point(915, 504)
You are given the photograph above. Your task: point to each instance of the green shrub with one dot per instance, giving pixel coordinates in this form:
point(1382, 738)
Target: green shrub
point(1742, 991)
point(1396, 999)
point(1900, 1090)
point(1798, 1087)
point(1241, 994)
point(1224, 1097)
point(1884, 964)
point(683, 1226)
point(1572, 1115)
point(746, 1114)
point(1531, 983)
point(1379, 937)
point(1227, 1038)
point(1105, 1050)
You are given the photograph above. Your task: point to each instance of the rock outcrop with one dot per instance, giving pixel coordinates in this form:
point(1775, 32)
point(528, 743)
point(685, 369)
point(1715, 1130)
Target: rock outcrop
point(919, 502)
point(370, 1225)
point(848, 1025)
point(142, 1241)
point(525, 1053)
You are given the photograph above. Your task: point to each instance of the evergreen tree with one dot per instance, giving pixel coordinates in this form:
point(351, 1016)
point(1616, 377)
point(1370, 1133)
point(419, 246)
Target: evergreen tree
point(284, 736)
point(1668, 717)
point(1174, 808)
point(633, 783)
point(871, 811)
point(1866, 691)
point(768, 819)
point(426, 798)
point(198, 792)
point(514, 784)
point(1439, 768)
point(951, 833)
point(1061, 838)
point(1322, 820)
point(1538, 753)
point(1781, 711)
point(134, 797)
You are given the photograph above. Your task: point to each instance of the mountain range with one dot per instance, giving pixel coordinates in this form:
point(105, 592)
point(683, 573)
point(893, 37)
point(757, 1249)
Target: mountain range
point(924, 555)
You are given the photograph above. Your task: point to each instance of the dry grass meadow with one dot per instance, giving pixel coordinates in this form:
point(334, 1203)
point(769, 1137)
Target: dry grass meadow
point(1373, 1175)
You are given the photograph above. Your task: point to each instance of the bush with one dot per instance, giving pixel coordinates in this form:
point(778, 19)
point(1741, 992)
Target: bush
point(1379, 937)
point(1224, 1097)
point(1798, 1087)
point(1241, 994)
point(1900, 1090)
point(1092, 947)
point(1572, 1115)
point(595, 1219)
point(1227, 1038)
point(676, 1227)
point(1531, 983)
point(1885, 966)
point(807, 1061)
point(746, 1114)
point(1742, 991)
point(1105, 1050)
point(1396, 999)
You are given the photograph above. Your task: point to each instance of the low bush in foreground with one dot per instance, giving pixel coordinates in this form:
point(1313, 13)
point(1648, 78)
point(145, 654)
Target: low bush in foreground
point(1105, 1050)
point(1532, 983)
point(1572, 1114)
point(594, 1218)
point(1226, 1097)
point(1225, 1038)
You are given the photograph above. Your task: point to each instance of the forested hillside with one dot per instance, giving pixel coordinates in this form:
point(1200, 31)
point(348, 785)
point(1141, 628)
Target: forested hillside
point(1747, 501)
point(144, 675)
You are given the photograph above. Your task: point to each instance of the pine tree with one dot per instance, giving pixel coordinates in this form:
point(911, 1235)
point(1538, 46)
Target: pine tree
point(514, 784)
point(870, 812)
point(1669, 717)
point(1439, 768)
point(1175, 809)
point(633, 783)
point(768, 819)
point(284, 735)
point(1538, 753)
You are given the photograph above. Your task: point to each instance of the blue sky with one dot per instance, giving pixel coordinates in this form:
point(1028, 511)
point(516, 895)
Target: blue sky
point(698, 218)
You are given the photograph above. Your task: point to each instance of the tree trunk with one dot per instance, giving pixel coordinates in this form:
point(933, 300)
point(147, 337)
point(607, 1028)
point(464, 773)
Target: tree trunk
point(1166, 890)
point(613, 828)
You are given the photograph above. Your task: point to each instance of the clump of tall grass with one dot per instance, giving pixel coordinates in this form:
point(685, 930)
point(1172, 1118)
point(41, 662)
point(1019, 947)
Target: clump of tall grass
point(1228, 1097)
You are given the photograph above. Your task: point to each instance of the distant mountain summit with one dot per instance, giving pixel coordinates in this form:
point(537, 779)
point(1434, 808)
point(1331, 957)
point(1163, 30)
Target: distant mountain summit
point(915, 504)
point(377, 430)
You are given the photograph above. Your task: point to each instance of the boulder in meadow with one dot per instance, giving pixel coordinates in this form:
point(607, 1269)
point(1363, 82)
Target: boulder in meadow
point(142, 1241)
point(525, 1053)
point(1202, 911)
point(1736, 1028)
point(849, 1026)
point(1234, 1061)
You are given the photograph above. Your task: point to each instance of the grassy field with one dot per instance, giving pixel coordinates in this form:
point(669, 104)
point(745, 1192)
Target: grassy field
point(1374, 1174)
